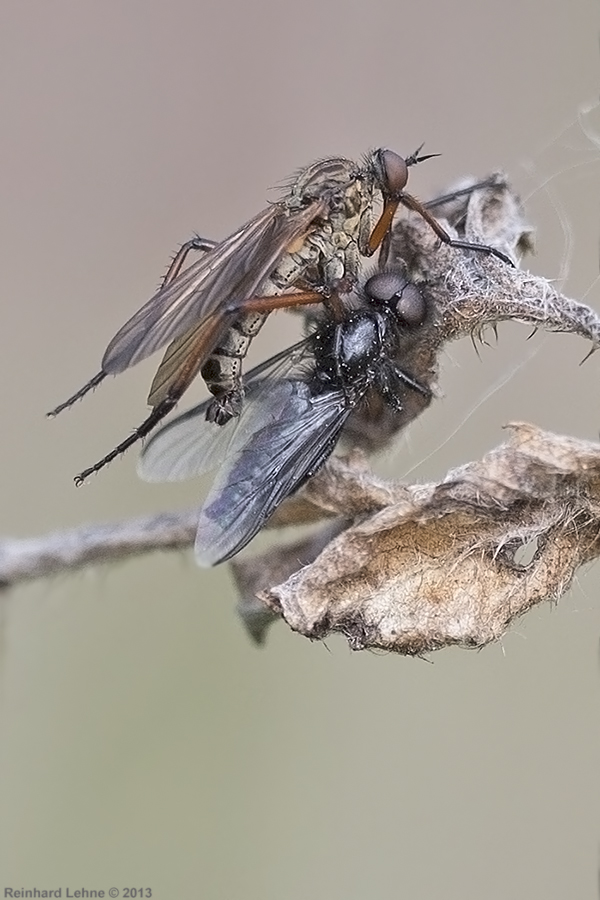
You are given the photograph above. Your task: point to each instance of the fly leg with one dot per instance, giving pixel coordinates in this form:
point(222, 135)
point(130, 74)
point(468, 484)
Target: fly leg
point(190, 370)
point(384, 250)
point(196, 243)
point(460, 192)
point(415, 205)
point(138, 433)
point(392, 382)
point(380, 236)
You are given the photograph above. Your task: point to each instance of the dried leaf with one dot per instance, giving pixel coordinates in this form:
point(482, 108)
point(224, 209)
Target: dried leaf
point(441, 566)
point(256, 573)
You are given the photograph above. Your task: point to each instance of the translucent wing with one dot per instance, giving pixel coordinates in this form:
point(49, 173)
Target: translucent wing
point(189, 445)
point(185, 356)
point(271, 461)
point(285, 432)
point(231, 273)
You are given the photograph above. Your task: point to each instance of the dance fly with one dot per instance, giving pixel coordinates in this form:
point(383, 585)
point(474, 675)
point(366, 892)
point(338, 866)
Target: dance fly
point(305, 249)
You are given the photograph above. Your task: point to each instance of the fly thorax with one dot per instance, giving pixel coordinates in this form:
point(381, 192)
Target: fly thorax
point(357, 198)
point(359, 345)
point(334, 269)
point(356, 224)
point(321, 241)
point(347, 209)
point(346, 351)
point(322, 178)
point(319, 262)
point(351, 226)
point(292, 266)
point(337, 258)
point(341, 240)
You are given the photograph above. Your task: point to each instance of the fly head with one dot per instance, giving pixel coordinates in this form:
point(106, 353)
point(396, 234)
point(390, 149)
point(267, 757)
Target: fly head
point(403, 298)
point(390, 173)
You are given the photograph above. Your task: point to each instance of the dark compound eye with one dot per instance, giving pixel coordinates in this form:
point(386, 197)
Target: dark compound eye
point(393, 288)
point(411, 305)
point(393, 172)
point(384, 286)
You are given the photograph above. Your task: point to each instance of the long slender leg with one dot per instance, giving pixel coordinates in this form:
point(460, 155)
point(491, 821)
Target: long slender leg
point(283, 301)
point(460, 192)
point(413, 204)
point(87, 387)
point(195, 243)
point(391, 387)
point(140, 432)
point(386, 242)
point(193, 361)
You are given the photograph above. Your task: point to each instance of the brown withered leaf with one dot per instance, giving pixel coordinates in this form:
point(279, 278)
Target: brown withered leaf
point(447, 564)
point(257, 573)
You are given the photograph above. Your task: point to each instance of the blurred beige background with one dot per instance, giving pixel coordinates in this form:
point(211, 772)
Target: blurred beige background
point(144, 741)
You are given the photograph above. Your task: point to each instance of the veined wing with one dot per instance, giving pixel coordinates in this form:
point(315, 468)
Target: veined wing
point(229, 274)
point(189, 445)
point(285, 432)
point(185, 356)
point(266, 464)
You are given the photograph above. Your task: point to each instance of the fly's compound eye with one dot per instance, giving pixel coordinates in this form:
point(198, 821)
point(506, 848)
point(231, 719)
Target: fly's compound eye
point(392, 172)
point(384, 286)
point(393, 288)
point(411, 306)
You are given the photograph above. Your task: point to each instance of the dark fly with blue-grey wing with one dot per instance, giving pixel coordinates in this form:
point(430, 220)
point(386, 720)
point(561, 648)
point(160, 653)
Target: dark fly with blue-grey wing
point(295, 409)
point(301, 250)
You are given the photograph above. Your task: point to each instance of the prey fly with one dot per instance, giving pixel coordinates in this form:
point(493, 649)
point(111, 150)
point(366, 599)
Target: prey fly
point(294, 412)
point(304, 249)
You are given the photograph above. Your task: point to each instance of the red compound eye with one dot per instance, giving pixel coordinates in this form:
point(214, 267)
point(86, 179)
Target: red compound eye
point(393, 172)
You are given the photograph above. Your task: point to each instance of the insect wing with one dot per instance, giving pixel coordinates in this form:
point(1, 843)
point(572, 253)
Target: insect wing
point(290, 434)
point(186, 447)
point(185, 356)
point(232, 272)
point(189, 445)
point(167, 314)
